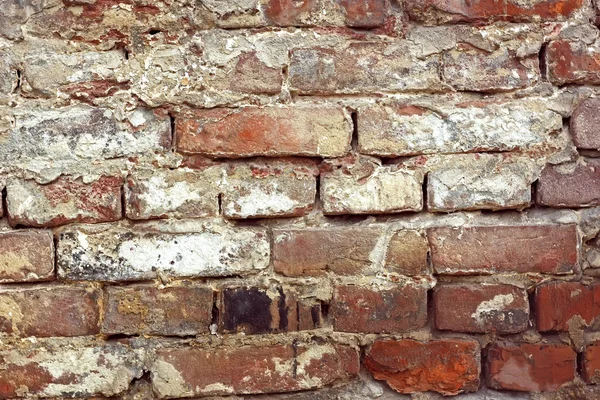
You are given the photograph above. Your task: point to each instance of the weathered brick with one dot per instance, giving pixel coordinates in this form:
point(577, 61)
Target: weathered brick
point(149, 310)
point(251, 75)
point(481, 182)
point(560, 304)
point(293, 13)
point(8, 74)
point(180, 193)
point(363, 67)
point(50, 311)
point(444, 366)
point(471, 69)
point(530, 367)
point(591, 363)
point(68, 371)
point(407, 253)
point(392, 130)
point(573, 62)
point(570, 185)
point(443, 11)
point(45, 72)
point(113, 254)
point(477, 308)
point(269, 189)
point(270, 131)
point(366, 187)
point(63, 201)
point(14, 13)
point(75, 134)
point(365, 13)
point(344, 251)
point(549, 249)
point(191, 371)
point(26, 256)
point(266, 310)
point(368, 310)
point(584, 124)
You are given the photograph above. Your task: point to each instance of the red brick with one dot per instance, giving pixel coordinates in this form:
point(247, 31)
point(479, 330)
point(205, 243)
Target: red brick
point(344, 251)
point(290, 12)
point(270, 131)
point(573, 62)
point(530, 367)
point(254, 310)
point(407, 253)
point(63, 201)
point(477, 308)
point(251, 369)
point(443, 11)
point(570, 185)
point(50, 311)
point(361, 67)
point(146, 309)
point(471, 69)
point(559, 303)
point(444, 366)
point(26, 256)
point(549, 249)
point(67, 370)
point(591, 363)
point(584, 124)
point(365, 13)
point(363, 309)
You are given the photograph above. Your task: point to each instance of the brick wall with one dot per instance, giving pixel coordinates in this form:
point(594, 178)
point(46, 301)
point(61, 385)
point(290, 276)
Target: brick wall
point(300, 199)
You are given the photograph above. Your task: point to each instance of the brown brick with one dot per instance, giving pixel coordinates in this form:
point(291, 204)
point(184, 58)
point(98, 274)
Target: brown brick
point(444, 366)
point(584, 124)
point(572, 62)
point(591, 363)
point(407, 253)
point(50, 311)
point(443, 11)
point(559, 303)
point(570, 185)
point(63, 201)
point(477, 308)
point(549, 249)
point(251, 369)
point(146, 309)
point(26, 256)
point(362, 67)
point(269, 131)
point(363, 309)
point(344, 251)
point(251, 75)
point(468, 68)
point(530, 367)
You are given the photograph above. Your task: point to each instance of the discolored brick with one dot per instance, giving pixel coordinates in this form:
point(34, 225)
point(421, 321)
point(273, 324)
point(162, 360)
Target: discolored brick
point(146, 309)
point(407, 253)
point(481, 308)
point(447, 366)
point(584, 123)
point(267, 131)
point(63, 201)
point(310, 252)
point(557, 304)
point(26, 256)
point(368, 310)
point(591, 363)
point(572, 62)
point(530, 367)
point(50, 311)
point(274, 368)
point(570, 185)
point(550, 249)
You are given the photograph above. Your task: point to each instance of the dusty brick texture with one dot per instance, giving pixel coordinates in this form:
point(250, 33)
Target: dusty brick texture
point(300, 199)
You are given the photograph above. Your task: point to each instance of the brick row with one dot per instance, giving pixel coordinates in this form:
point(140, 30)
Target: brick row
point(107, 252)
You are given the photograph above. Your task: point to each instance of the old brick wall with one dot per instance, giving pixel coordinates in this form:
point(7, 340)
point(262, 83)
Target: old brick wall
point(300, 199)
